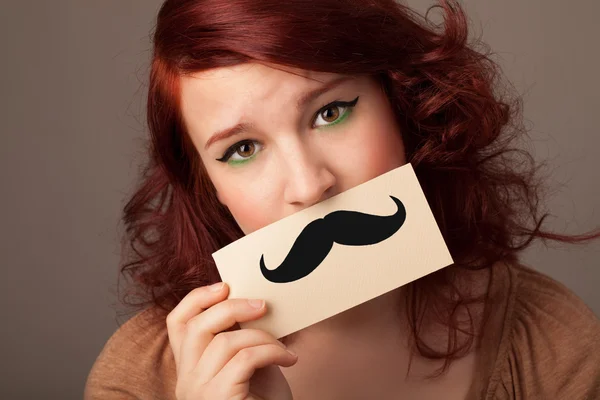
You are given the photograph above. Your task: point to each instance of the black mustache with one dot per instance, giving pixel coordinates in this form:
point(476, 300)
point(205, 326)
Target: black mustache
point(350, 228)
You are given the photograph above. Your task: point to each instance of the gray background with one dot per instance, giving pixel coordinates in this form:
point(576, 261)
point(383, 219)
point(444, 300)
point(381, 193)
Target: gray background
point(72, 84)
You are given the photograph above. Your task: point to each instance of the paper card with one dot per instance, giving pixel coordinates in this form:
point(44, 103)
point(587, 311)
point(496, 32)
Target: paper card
point(336, 254)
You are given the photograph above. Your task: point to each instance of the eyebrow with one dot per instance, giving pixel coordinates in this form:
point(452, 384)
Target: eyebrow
point(301, 103)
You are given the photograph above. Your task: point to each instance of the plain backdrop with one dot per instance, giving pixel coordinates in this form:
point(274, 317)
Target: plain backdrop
point(72, 80)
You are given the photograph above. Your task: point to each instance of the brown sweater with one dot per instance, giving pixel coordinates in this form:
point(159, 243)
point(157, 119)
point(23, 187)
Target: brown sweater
point(542, 342)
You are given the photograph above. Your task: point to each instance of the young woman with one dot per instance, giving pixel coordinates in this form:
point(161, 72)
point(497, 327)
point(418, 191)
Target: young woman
point(259, 109)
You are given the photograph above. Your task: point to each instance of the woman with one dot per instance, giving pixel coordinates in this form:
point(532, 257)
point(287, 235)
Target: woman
point(259, 109)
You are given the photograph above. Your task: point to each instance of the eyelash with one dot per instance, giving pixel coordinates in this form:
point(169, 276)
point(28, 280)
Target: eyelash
point(349, 104)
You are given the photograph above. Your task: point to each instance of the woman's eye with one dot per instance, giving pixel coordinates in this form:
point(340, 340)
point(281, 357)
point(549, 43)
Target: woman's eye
point(241, 152)
point(245, 150)
point(332, 115)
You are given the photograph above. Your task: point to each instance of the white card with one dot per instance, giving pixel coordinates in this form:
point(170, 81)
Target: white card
point(381, 235)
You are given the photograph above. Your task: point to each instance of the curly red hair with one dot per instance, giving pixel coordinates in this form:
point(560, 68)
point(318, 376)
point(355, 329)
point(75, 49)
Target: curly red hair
point(458, 130)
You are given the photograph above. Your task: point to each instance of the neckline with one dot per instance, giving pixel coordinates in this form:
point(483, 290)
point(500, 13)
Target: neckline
point(493, 346)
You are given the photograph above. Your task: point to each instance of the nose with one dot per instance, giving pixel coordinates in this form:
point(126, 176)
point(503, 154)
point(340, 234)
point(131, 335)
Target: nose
point(308, 179)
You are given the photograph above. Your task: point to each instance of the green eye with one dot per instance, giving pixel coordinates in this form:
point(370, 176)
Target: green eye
point(241, 152)
point(335, 118)
point(244, 151)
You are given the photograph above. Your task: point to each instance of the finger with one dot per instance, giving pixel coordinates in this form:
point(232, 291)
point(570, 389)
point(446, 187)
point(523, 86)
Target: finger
point(242, 366)
point(201, 329)
point(191, 305)
point(225, 346)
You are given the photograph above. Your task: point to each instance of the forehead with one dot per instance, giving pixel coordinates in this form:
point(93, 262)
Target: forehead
point(229, 93)
point(252, 77)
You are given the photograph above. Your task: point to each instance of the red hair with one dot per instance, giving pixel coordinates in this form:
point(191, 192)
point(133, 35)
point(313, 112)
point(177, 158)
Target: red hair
point(458, 129)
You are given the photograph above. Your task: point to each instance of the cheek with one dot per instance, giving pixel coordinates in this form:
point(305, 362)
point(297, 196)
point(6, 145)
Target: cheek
point(384, 155)
point(252, 208)
point(381, 148)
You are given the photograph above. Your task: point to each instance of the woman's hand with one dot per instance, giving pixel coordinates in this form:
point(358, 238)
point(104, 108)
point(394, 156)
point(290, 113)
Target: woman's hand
point(215, 364)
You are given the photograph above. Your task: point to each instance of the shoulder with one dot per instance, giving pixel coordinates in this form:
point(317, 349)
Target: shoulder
point(550, 346)
point(136, 362)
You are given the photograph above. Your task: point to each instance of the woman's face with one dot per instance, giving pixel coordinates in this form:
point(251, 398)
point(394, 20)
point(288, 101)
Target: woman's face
point(297, 140)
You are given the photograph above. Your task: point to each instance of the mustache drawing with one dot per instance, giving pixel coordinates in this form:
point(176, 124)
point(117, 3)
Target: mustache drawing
point(349, 228)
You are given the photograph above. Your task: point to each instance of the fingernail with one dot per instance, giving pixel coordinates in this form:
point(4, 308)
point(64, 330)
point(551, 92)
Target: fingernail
point(292, 353)
point(216, 287)
point(256, 303)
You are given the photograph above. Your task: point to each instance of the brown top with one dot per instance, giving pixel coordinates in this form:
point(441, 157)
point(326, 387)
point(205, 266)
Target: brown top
point(542, 342)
